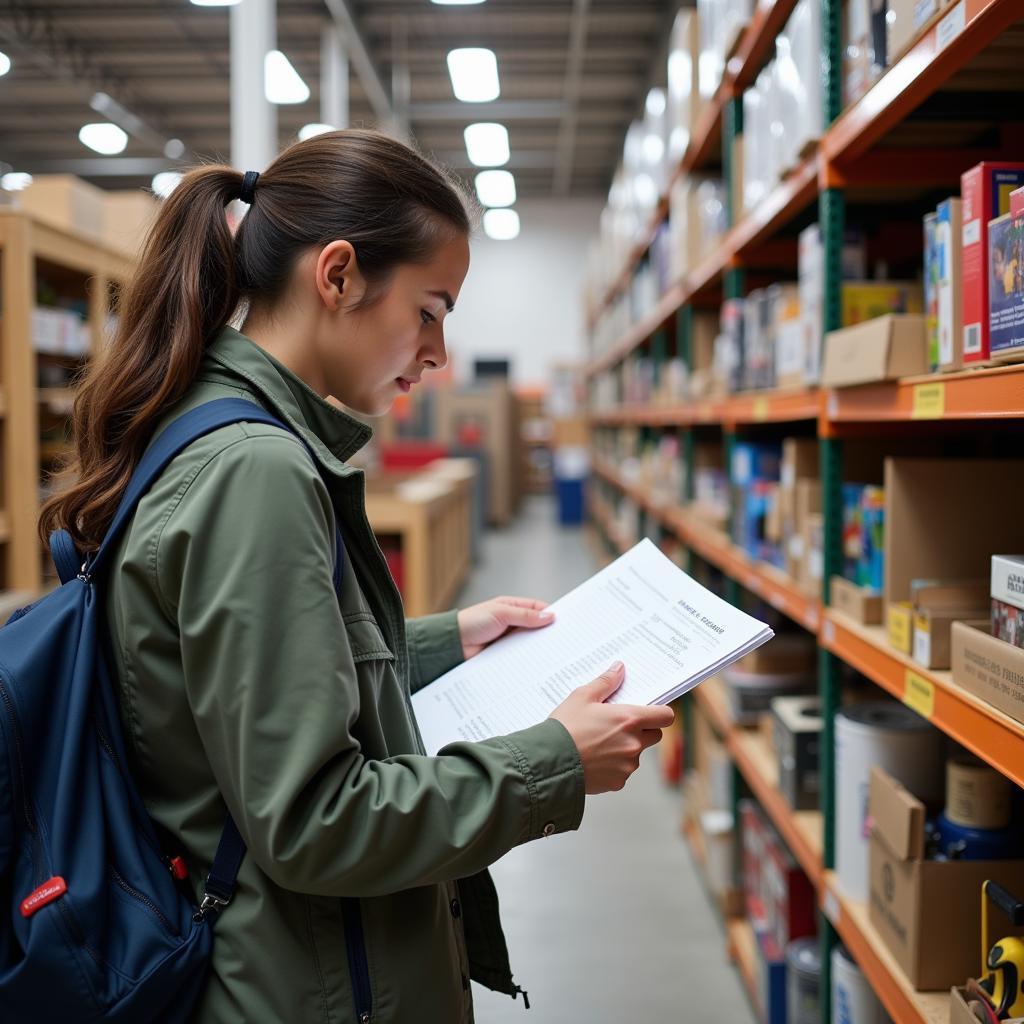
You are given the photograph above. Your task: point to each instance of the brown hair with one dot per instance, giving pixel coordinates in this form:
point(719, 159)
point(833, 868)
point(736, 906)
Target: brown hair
point(377, 193)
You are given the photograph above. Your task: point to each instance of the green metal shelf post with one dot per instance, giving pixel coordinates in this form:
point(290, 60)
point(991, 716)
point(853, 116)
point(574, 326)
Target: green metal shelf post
point(732, 128)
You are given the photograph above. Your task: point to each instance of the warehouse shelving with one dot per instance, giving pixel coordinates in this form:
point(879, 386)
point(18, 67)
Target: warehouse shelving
point(28, 246)
point(857, 158)
point(742, 950)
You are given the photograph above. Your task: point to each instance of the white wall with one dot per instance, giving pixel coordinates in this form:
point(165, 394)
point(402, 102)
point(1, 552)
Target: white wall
point(524, 299)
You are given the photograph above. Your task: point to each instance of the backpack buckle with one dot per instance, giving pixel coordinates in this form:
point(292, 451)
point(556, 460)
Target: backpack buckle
point(210, 904)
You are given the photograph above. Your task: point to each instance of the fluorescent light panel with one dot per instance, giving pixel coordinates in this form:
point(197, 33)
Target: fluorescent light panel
point(496, 188)
point(282, 84)
point(487, 144)
point(15, 181)
point(309, 131)
point(474, 74)
point(501, 225)
point(165, 183)
point(216, 3)
point(456, 3)
point(5, 64)
point(103, 137)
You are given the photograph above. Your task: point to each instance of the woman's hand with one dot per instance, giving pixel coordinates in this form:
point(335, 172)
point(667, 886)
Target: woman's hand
point(482, 624)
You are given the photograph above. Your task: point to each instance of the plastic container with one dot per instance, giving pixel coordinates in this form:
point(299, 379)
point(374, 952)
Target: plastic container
point(853, 999)
point(751, 693)
point(803, 978)
point(895, 738)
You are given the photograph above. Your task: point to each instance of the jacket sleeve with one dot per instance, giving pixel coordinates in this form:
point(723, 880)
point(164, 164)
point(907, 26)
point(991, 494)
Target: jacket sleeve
point(243, 565)
point(435, 646)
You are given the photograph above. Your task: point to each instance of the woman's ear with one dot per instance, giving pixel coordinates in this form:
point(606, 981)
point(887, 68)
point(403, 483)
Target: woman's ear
point(338, 280)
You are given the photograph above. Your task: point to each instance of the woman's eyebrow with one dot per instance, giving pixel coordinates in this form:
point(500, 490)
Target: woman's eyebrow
point(449, 304)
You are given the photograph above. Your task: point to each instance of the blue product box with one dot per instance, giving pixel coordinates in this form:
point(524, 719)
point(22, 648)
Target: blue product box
point(871, 569)
point(773, 979)
point(752, 461)
point(1005, 285)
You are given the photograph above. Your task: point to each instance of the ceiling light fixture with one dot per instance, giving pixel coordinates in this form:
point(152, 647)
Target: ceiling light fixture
point(216, 3)
point(496, 188)
point(487, 144)
point(15, 181)
point(501, 225)
point(5, 64)
point(281, 82)
point(165, 183)
point(309, 131)
point(456, 3)
point(103, 137)
point(474, 74)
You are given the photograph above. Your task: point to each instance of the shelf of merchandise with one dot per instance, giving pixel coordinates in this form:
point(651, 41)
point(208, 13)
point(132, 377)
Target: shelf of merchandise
point(742, 949)
point(905, 1004)
point(801, 830)
point(983, 729)
point(766, 581)
point(736, 410)
point(25, 243)
point(980, 394)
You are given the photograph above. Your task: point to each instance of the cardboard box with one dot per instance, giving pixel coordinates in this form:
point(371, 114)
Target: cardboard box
point(1006, 288)
point(988, 667)
point(927, 912)
point(933, 635)
point(1006, 582)
point(948, 247)
point(65, 202)
point(945, 518)
point(985, 191)
point(883, 349)
point(860, 603)
point(127, 218)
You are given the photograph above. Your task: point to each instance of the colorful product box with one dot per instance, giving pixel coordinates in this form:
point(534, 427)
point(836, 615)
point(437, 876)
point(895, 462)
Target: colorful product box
point(948, 247)
point(1008, 623)
point(1007, 580)
point(1006, 287)
point(864, 535)
point(867, 300)
point(985, 191)
point(931, 289)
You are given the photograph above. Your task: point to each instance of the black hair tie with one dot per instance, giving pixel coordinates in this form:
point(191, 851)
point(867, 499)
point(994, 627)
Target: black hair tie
point(249, 179)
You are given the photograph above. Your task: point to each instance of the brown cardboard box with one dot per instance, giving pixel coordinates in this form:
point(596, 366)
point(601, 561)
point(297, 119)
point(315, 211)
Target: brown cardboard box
point(927, 912)
point(788, 652)
point(988, 667)
point(798, 542)
point(945, 518)
point(572, 431)
point(65, 202)
point(882, 349)
point(127, 217)
point(933, 635)
point(859, 603)
point(812, 563)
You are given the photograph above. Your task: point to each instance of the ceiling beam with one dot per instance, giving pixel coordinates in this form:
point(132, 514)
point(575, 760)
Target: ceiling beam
point(361, 58)
point(571, 92)
point(501, 110)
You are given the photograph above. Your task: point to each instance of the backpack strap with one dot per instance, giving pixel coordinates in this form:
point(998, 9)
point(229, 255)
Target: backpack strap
point(197, 423)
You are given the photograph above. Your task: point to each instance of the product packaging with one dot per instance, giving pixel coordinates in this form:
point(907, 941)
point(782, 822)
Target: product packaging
point(683, 95)
point(882, 349)
point(988, 667)
point(931, 289)
point(797, 737)
point(1006, 288)
point(985, 193)
point(860, 603)
point(948, 247)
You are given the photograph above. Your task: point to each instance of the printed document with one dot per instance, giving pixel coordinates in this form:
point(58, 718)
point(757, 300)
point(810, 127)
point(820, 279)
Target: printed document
point(669, 631)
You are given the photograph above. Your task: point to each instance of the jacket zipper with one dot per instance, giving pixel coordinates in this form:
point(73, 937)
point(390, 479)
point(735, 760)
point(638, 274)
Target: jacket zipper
point(358, 968)
point(143, 899)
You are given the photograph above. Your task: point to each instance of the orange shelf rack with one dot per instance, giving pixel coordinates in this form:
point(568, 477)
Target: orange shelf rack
point(983, 729)
point(905, 1004)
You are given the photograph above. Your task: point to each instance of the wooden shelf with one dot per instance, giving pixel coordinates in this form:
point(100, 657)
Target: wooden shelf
point(905, 1004)
point(983, 729)
point(803, 831)
point(742, 949)
point(5, 528)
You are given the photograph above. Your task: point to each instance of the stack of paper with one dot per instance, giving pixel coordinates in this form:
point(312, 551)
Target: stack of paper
point(669, 631)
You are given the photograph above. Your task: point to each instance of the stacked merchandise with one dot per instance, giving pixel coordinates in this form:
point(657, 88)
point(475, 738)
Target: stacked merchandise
point(756, 527)
point(1007, 596)
point(800, 506)
point(698, 220)
point(710, 485)
point(755, 681)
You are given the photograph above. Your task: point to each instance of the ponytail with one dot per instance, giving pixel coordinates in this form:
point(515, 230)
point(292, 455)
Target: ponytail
point(390, 203)
point(182, 294)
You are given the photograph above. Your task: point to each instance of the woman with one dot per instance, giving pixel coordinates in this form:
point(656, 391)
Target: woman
point(247, 685)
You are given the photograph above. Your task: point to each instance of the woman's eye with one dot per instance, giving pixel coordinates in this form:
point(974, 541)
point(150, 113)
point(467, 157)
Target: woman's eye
point(427, 318)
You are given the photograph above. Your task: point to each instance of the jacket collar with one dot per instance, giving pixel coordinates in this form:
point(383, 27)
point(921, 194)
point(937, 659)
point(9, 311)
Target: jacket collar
point(333, 434)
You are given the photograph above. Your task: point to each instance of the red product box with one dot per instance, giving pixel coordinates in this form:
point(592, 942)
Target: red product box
point(1017, 203)
point(755, 838)
point(1007, 623)
point(985, 192)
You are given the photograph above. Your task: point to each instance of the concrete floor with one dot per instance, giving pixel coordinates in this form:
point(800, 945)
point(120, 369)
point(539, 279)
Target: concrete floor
point(610, 923)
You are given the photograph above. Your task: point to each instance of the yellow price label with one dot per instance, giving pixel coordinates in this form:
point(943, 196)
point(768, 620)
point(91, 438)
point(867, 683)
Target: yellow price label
point(761, 409)
point(919, 694)
point(929, 401)
point(900, 624)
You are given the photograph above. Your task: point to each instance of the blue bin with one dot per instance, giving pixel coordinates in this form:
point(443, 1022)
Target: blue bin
point(570, 501)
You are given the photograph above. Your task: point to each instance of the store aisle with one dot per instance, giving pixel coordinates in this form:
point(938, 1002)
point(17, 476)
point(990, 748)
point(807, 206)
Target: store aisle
point(610, 923)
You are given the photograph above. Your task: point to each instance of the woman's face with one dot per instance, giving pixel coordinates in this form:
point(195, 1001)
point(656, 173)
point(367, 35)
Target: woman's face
point(372, 355)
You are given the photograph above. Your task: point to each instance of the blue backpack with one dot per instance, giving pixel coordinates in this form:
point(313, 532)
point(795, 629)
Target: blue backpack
point(100, 926)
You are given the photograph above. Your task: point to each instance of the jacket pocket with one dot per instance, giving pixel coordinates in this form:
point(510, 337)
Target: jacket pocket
point(358, 965)
point(365, 638)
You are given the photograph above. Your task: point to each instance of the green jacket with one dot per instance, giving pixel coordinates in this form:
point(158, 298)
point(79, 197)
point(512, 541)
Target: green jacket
point(246, 686)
